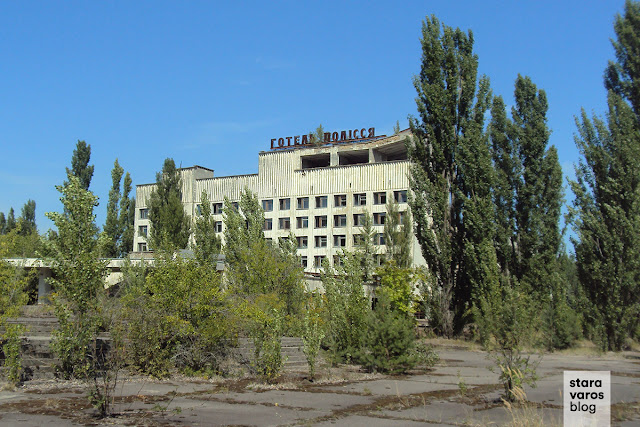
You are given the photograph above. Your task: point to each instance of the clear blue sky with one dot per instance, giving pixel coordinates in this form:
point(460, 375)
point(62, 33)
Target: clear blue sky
point(210, 83)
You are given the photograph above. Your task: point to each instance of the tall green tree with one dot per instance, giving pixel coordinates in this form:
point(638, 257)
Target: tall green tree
point(3, 223)
point(507, 173)
point(80, 167)
point(346, 306)
point(448, 130)
point(538, 191)
point(207, 243)
point(11, 221)
point(170, 225)
point(256, 267)
point(479, 271)
point(113, 225)
point(27, 219)
point(127, 217)
point(607, 202)
point(398, 235)
point(527, 196)
point(79, 279)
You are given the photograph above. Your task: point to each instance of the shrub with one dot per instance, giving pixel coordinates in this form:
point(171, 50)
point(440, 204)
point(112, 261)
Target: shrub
point(265, 323)
point(389, 341)
point(313, 330)
point(177, 315)
point(506, 322)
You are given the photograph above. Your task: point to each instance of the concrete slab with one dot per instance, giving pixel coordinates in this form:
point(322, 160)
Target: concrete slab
point(439, 411)
point(22, 420)
point(364, 421)
point(502, 416)
point(326, 401)
point(392, 387)
point(223, 413)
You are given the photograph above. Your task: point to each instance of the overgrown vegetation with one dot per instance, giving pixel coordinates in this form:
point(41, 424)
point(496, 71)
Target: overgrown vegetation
point(13, 295)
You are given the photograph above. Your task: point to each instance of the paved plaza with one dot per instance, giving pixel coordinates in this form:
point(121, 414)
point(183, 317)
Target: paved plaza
point(459, 391)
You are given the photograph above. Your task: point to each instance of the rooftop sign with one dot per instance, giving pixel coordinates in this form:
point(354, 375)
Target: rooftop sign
point(335, 137)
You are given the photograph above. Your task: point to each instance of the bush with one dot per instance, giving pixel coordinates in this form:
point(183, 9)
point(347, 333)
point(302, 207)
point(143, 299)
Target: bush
point(346, 308)
point(265, 317)
point(177, 315)
point(506, 322)
point(389, 341)
point(313, 330)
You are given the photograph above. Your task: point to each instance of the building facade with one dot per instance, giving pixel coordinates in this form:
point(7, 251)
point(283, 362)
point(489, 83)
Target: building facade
point(317, 193)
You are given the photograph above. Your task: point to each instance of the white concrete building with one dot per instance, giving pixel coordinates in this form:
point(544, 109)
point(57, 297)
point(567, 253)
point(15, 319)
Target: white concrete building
point(318, 193)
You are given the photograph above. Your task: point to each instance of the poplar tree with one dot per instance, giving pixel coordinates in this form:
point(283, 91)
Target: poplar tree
point(207, 244)
point(479, 273)
point(27, 219)
point(127, 217)
point(607, 202)
point(170, 225)
point(398, 235)
point(113, 225)
point(255, 266)
point(448, 133)
point(538, 190)
point(80, 167)
point(3, 223)
point(11, 221)
point(507, 172)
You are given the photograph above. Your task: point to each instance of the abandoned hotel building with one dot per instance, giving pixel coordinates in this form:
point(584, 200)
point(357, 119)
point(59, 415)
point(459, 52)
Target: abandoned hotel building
point(319, 193)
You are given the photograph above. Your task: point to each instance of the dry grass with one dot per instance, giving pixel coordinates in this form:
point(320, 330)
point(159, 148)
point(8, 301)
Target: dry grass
point(523, 415)
point(457, 344)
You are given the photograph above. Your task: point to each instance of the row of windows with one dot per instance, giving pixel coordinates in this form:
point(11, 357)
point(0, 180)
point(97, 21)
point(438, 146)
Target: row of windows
point(321, 221)
point(337, 260)
point(317, 260)
point(302, 222)
point(339, 241)
point(339, 201)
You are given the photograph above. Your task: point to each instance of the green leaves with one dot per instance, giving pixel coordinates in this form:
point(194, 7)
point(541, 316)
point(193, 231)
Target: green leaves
point(607, 189)
point(170, 225)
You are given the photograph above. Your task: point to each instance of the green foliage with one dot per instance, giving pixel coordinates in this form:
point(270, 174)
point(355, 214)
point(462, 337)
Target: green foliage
point(538, 191)
point(397, 285)
point(177, 314)
point(607, 197)
point(127, 217)
point(11, 221)
point(313, 331)
point(265, 325)
point(13, 296)
point(255, 266)
point(451, 171)
point(17, 244)
point(80, 165)
point(398, 236)
point(170, 225)
point(621, 77)
point(207, 244)
point(11, 348)
point(79, 280)
point(388, 342)
point(113, 226)
point(346, 306)
point(317, 137)
point(426, 355)
point(27, 219)
point(506, 319)
point(527, 198)
point(396, 128)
